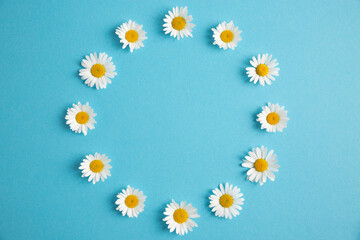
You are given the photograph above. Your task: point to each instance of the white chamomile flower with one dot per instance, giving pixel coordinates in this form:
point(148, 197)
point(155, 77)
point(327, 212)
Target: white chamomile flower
point(179, 217)
point(226, 35)
point(261, 164)
point(80, 118)
point(131, 34)
point(95, 167)
point(225, 202)
point(273, 118)
point(97, 70)
point(178, 23)
point(263, 69)
point(131, 202)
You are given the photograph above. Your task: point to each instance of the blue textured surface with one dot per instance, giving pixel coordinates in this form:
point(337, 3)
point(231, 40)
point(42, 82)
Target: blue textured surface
point(178, 119)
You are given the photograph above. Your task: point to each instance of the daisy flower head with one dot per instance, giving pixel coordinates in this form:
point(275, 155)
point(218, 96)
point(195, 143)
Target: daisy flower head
point(273, 118)
point(179, 217)
point(226, 35)
point(226, 201)
point(178, 23)
point(80, 118)
point(97, 70)
point(263, 69)
point(132, 34)
point(130, 202)
point(261, 165)
point(95, 167)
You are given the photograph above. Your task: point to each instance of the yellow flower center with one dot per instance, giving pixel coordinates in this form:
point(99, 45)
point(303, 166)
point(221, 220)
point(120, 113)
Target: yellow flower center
point(180, 215)
point(131, 201)
point(98, 70)
point(131, 36)
point(227, 36)
point(262, 70)
point(178, 23)
point(96, 166)
point(261, 165)
point(226, 201)
point(82, 117)
point(273, 118)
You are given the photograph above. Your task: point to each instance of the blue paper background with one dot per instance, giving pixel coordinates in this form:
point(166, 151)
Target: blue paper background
point(178, 119)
